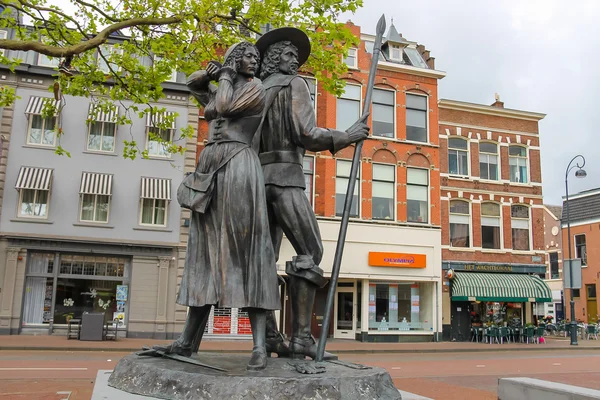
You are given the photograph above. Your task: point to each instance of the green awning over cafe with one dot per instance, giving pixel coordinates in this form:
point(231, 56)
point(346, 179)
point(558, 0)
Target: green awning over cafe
point(515, 288)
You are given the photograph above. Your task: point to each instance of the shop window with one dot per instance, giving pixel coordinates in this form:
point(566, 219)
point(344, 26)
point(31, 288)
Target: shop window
point(554, 266)
point(351, 60)
point(348, 107)
point(517, 159)
point(520, 227)
point(460, 221)
point(491, 236)
point(94, 208)
point(458, 156)
point(341, 187)
point(33, 203)
point(384, 178)
point(581, 249)
point(488, 161)
point(154, 212)
point(383, 113)
point(397, 307)
point(308, 167)
point(416, 118)
point(417, 195)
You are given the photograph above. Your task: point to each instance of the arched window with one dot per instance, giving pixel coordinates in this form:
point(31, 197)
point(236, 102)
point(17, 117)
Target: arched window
point(491, 232)
point(460, 224)
point(517, 159)
point(458, 156)
point(519, 218)
point(488, 161)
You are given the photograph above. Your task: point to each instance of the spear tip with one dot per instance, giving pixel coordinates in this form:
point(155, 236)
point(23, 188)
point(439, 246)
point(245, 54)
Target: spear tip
point(381, 25)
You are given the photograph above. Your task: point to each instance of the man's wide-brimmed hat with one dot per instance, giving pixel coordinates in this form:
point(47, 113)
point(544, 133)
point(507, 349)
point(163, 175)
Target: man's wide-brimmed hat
point(294, 35)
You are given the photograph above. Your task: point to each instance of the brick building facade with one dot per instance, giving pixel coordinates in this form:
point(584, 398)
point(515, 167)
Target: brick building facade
point(491, 215)
point(378, 299)
point(554, 264)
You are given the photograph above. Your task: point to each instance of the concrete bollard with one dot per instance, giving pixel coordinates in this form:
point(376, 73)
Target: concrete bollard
point(536, 389)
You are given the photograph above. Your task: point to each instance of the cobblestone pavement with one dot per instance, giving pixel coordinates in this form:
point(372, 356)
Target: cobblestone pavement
point(36, 374)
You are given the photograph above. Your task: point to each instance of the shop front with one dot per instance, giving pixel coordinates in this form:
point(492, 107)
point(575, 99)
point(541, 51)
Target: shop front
point(482, 295)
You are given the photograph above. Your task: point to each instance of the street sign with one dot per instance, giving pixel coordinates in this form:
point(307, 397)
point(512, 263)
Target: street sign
point(576, 263)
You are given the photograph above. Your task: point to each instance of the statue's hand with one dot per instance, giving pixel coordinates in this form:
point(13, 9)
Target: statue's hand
point(359, 130)
point(213, 69)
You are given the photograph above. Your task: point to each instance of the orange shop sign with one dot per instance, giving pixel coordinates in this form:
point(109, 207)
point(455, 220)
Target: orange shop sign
point(400, 260)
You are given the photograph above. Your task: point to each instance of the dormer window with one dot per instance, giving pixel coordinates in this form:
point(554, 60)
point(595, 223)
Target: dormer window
point(395, 53)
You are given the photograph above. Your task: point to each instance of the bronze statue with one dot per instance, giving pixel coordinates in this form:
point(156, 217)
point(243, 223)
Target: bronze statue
point(230, 260)
point(289, 129)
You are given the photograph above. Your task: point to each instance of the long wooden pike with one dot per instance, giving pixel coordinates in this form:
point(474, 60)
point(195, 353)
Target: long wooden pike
point(339, 250)
point(146, 351)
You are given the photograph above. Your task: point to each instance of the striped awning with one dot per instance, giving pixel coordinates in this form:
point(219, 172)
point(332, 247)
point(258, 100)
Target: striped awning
point(156, 188)
point(34, 178)
point(516, 288)
point(97, 114)
point(155, 119)
point(94, 183)
point(36, 104)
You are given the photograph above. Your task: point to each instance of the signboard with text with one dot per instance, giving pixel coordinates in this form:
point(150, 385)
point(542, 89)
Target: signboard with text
point(399, 260)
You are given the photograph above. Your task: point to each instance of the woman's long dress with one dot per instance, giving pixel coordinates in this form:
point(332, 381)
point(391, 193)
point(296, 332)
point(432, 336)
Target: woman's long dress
point(230, 260)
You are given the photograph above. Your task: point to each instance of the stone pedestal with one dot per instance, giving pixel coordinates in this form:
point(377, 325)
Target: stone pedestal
point(170, 379)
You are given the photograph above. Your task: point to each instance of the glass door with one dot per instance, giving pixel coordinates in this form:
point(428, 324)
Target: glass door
point(345, 311)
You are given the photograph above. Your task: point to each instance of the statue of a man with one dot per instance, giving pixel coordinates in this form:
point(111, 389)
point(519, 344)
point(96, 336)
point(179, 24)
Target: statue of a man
point(288, 130)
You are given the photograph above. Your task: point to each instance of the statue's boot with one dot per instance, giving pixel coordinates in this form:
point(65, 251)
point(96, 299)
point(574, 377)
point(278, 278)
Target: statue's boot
point(258, 321)
point(183, 345)
point(303, 344)
point(275, 340)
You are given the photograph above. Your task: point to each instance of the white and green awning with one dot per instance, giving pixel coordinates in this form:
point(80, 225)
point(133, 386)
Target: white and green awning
point(516, 288)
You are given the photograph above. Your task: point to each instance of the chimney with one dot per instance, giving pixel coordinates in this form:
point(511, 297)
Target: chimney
point(497, 103)
point(431, 62)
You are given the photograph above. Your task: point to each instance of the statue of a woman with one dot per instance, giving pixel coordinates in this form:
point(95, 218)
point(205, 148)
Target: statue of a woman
point(230, 260)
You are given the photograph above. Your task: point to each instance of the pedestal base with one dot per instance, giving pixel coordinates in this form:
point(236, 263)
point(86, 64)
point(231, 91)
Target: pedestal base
point(169, 379)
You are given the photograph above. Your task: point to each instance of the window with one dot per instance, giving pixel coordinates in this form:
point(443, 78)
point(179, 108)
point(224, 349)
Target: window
point(416, 118)
point(490, 226)
point(159, 134)
point(384, 184)
point(460, 224)
point(397, 307)
point(45, 61)
point(3, 35)
point(101, 136)
point(94, 208)
point(520, 227)
point(173, 76)
point(395, 53)
point(458, 156)
point(107, 51)
point(352, 59)
point(417, 195)
point(554, 266)
point(33, 203)
point(348, 107)
point(581, 249)
point(41, 130)
point(576, 293)
point(154, 212)
point(383, 113)
point(341, 187)
point(308, 167)
point(517, 159)
point(591, 291)
point(488, 161)
point(312, 89)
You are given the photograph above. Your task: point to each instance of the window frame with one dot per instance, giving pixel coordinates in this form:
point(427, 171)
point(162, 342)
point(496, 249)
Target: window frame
point(104, 123)
point(426, 111)
point(355, 56)
point(512, 228)
point(428, 195)
point(469, 219)
point(497, 154)
point(357, 187)
point(395, 47)
point(141, 212)
point(360, 103)
point(20, 203)
point(394, 194)
point(171, 135)
point(500, 224)
point(3, 35)
point(468, 156)
point(550, 261)
point(174, 72)
point(87, 221)
point(29, 127)
point(394, 132)
point(100, 60)
point(578, 248)
point(311, 200)
point(526, 158)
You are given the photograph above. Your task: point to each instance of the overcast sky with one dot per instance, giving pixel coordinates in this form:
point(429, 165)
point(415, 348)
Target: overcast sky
point(538, 55)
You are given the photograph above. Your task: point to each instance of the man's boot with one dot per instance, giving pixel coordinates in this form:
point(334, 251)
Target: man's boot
point(258, 321)
point(303, 344)
point(183, 345)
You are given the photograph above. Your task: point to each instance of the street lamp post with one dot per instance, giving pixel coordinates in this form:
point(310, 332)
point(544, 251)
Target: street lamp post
point(580, 173)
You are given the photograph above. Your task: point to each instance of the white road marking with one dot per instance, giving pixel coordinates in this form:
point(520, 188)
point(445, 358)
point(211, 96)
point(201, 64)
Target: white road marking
point(480, 366)
point(43, 369)
point(396, 367)
point(557, 364)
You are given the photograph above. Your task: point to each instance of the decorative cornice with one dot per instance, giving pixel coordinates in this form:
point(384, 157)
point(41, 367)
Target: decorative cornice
point(408, 69)
point(489, 110)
